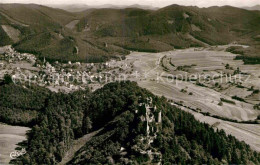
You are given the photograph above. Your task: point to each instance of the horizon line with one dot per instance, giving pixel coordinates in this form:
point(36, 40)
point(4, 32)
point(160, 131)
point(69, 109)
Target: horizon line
point(49, 4)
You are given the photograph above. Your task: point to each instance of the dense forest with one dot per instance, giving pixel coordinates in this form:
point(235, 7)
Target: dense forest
point(180, 138)
point(57, 128)
point(21, 105)
point(136, 128)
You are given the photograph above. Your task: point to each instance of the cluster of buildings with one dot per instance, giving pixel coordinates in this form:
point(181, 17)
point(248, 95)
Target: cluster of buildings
point(72, 76)
point(11, 55)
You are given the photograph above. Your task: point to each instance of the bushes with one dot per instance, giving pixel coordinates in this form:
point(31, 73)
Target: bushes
point(236, 50)
point(249, 55)
point(238, 98)
point(248, 59)
point(227, 101)
point(257, 106)
point(7, 79)
point(220, 103)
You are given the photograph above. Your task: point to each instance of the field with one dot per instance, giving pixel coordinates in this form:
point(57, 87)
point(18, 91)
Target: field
point(72, 24)
point(9, 137)
point(244, 132)
point(12, 32)
point(205, 81)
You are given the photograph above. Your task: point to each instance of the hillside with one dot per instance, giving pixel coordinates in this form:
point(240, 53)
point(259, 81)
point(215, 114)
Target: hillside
point(171, 27)
point(96, 35)
point(138, 128)
point(246, 28)
point(20, 105)
point(40, 30)
point(146, 129)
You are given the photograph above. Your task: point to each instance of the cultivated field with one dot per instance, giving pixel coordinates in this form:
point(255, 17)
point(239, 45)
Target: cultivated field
point(9, 137)
point(245, 132)
point(175, 75)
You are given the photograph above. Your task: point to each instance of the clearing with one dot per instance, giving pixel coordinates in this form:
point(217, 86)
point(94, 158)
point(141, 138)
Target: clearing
point(12, 32)
point(77, 144)
point(72, 24)
point(9, 137)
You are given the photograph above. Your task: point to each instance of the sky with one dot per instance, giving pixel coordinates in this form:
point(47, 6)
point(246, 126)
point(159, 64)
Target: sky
point(155, 3)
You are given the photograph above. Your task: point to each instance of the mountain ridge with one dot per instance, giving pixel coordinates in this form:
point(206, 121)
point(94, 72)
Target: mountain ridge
point(83, 7)
point(98, 33)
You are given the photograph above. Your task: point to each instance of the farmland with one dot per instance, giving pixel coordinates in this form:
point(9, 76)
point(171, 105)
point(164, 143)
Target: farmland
point(9, 137)
point(175, 75)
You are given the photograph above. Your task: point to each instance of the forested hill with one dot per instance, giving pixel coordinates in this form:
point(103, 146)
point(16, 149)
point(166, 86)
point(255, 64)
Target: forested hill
point(97, 35)
point(136, 134)
point(37, 29)
point(138, 128)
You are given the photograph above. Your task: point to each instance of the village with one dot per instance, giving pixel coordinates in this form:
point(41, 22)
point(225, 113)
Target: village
point(66, 77)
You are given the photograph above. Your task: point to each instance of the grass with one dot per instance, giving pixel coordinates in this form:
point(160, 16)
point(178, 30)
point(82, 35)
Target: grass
point(9, 137)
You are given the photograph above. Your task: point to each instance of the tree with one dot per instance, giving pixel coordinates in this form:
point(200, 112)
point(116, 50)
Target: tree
point(7, 79)
point(220, 103)
point(227, 66)
point(88, 125)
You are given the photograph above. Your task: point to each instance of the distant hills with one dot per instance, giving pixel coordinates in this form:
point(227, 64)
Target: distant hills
point(257, 7)
point(71, 8)
point(82, 7)
point(96, 34)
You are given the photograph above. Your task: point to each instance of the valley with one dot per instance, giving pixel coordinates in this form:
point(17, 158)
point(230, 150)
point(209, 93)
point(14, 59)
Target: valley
point(203, 81)
point(129, 84)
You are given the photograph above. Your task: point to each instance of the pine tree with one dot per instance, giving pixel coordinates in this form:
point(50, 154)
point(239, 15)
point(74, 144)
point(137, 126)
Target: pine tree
point(88, 125)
